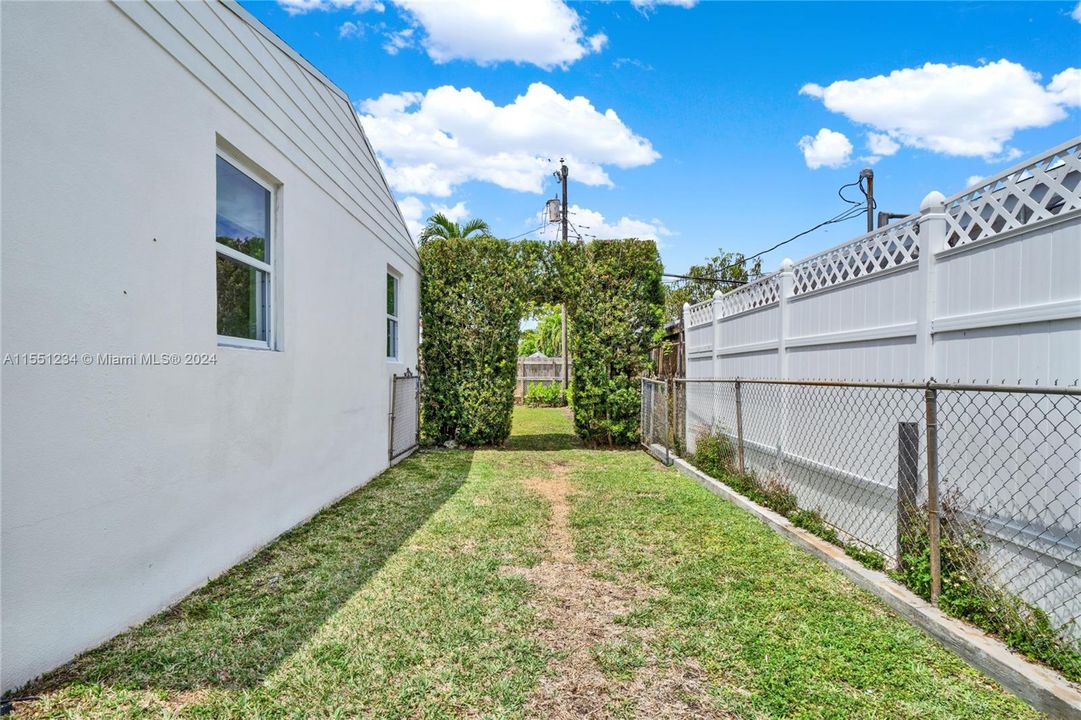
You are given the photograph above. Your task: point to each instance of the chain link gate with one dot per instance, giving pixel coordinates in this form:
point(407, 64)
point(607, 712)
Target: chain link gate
point(656, 415)
point(404, 414)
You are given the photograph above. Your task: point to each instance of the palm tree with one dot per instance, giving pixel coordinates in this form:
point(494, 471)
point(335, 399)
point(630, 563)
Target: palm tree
point(440, 227)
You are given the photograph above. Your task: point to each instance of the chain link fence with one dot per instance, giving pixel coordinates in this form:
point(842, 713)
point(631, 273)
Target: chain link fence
point(656, 413)
point(404, 414)
point(1010, 511)
point(970, 495)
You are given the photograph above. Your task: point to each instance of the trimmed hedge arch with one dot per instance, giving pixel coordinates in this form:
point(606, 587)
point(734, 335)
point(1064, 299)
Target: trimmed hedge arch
point(473, 295)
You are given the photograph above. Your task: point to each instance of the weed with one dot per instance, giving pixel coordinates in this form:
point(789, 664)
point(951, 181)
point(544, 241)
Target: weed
point(541, 395)
point(813, 522)
point(714, 454)
point(869, 558)
point(969, 592)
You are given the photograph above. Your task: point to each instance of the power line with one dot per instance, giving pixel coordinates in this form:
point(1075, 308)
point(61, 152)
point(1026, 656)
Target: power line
point(854, 211)
point(710, 279)
point(841, 191)
point(577, 232)
point(536, 229)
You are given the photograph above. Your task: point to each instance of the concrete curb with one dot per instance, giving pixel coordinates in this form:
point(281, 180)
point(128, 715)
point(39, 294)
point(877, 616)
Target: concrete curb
point(660, 453)
point(1040, 687)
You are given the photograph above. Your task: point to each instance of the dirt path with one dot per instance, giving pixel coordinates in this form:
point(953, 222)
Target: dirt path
point(581, 615)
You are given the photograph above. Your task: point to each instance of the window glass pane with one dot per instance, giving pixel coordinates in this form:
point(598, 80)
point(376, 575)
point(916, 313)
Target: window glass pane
point(392, 338)
point(392, 295)
point(242, 300)
point(243, 217)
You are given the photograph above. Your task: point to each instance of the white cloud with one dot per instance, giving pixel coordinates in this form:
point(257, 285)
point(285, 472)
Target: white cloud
point(1066, 86)
point(973, 180)
point(882, 145)
point(634, 62)
point(416, 213)
point(350, 29)
point(299, 7)
point(413, 212)
point(953, 109)
point(431, 142)
point(650, 4)
point(455, 213)
point(1009, 155)
point(826, 149)
point(1076, 13)
point(546, 33)
point(397, 41)
point(592, 223)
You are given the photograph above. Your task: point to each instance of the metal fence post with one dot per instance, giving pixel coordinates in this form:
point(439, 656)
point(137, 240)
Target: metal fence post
point(931, 402)
point(739, 429)
point(669, 419)
point(908, 474)
point(418, 408)
point(393, 393)
point(642, 411)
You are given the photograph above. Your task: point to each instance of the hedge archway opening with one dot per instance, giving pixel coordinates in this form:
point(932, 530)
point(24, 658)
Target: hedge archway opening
point(474, 294)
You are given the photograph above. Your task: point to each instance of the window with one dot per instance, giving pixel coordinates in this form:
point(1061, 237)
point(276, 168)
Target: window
point(244, 223)
point(392, 317)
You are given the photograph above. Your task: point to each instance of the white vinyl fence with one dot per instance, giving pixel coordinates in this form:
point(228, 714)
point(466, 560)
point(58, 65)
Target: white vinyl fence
point(983, 287)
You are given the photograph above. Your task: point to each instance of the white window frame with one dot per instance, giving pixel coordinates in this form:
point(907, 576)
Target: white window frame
point(259, 176)
point(397, 277)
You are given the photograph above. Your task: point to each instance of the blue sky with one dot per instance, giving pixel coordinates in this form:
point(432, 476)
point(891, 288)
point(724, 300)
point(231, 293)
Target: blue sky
point(685, 121)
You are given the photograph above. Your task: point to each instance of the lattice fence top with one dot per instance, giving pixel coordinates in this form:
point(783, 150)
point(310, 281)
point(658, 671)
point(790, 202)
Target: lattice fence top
point(700, 314)
point(1036, 190)
point(760, 293)
point(1028, 193)
point(889, 247)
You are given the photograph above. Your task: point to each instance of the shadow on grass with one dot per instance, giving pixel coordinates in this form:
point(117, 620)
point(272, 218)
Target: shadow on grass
point(237, 629)
point(542, 429)
point(543, 442)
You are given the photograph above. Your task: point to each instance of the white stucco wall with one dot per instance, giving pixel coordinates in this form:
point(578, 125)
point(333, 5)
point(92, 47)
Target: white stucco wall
point(123, 488)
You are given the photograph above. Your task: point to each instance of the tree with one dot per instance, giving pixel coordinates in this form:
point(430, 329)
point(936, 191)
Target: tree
point(439, 226)
point(715, 274)
point(527, 342)
point(547, 333)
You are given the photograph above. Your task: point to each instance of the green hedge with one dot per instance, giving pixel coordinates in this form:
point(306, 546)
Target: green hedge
point(471, 302)
point(473, 295)
point(615, 311)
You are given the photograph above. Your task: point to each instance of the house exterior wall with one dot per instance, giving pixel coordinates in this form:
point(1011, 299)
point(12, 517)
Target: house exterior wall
point(125, 487)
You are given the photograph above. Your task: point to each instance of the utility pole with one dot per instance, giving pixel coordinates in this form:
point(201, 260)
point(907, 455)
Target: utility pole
point(563, 172)
point(869, 175)
point(561, 175)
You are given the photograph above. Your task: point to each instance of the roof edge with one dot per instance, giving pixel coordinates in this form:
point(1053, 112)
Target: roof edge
point(237, 9)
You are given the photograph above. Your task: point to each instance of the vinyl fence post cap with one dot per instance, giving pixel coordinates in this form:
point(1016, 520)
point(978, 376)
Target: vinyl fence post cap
point(786, 265)
point(717, 294)
point(933, 202)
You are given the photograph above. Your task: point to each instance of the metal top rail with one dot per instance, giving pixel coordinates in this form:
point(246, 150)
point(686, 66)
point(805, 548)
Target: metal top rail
point(1071, 390)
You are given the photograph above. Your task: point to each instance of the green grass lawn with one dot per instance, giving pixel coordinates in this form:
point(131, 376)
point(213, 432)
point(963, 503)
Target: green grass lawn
point(414, 598)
